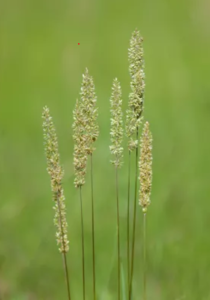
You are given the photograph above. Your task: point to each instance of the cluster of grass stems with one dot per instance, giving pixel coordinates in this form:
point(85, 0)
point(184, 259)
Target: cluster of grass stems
point(85, 133)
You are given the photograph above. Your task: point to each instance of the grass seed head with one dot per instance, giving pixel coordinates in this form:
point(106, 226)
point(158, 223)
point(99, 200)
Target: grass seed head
point(116, 124)
point(136, 53)
point(145, 167)
point(136, 97)
point(80, 145)
point(89, 111)
point(56, 173)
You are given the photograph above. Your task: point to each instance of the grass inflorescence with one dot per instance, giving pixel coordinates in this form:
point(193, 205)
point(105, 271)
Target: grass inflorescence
point(56, 174)
point(117, 152)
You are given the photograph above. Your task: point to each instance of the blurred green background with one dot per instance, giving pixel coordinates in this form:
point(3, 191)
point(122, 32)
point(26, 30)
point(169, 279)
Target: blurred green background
point(41, 64)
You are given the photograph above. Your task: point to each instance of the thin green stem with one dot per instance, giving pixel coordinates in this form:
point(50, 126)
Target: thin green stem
point(128, 221)
point(112, 263)
point(66, 275)
point(83, 247)
point(134, 219)
point(93, 229)
point(64, 253)
point(118, 235)
point(145, 261)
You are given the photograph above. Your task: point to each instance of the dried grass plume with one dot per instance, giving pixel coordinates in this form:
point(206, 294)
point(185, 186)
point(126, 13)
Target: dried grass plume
point(80, 146)
point(116, 124)
point(145, 167)
point(56, 173)
point(89, 111)
point(136, 97)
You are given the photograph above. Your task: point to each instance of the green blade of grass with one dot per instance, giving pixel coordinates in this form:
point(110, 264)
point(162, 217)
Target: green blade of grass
point(123, 283)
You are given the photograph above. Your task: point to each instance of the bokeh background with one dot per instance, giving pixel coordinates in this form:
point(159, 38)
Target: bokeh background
point(41, 64)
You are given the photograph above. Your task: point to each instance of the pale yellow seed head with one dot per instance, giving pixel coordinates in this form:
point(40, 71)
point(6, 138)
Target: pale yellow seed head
point(89, 111)
point(136, 97)
point(116, 124)
point(136, 53)
point(85, 127)
point(145, 167)
point(56, 173)
point(80, 146)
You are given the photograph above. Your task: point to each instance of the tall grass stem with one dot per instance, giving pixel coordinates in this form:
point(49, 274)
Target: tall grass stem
point(93, 228)
point(64, 253)
point(134, 219)
point(66, 275)
point(128, 222)
point(118, 236)
point(83, 247)
point(145, 260)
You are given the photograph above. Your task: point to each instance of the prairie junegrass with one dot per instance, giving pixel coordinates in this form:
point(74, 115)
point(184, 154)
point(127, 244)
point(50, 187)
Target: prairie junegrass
point(56, 173)
point(133, 122)
point(89, 113)
point(145, 177)
point(80, 161)
point(85, 133)
point(117, 152)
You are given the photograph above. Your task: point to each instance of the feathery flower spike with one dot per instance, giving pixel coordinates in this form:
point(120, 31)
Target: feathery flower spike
point(80, 163)
point(91, 132)
point(133, 121)
point(145, 168)
point(136, 53)
point(56, 173)
point(89, 111)
point(116, 124)
point(80, 145)
point(117, 150)
point(136, 97)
